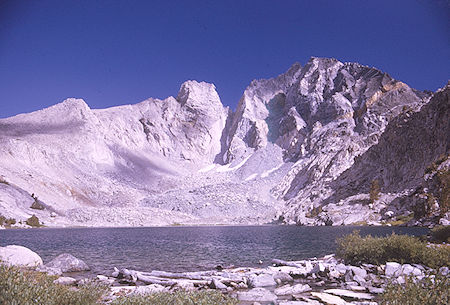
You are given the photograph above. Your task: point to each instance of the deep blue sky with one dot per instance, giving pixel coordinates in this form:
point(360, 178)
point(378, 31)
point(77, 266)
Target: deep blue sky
point(121, 52)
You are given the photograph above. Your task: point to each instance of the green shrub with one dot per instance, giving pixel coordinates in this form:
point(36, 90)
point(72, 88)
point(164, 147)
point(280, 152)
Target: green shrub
point(26, 287)
point(10, 222)
point(181, 297)
point(33, 221)
point(426, 291)
point(374, 193)
point(355, 249)
point(2, 220)
point(441, 234)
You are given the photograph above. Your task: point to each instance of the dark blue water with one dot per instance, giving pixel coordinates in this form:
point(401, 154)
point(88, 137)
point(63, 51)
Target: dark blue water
point(186, 248)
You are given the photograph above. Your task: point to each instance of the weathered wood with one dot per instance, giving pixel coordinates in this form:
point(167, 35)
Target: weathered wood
point(175, 275)
point(280, 262)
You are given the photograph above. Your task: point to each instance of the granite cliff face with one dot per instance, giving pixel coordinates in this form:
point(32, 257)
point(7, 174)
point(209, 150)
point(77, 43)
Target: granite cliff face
point(304, 148)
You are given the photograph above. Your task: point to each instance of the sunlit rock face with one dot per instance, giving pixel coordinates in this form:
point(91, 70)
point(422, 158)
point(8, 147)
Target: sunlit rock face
point(302, 148)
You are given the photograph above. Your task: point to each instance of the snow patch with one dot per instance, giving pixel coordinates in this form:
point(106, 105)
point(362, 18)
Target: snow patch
point(226, 167)
point(251, 177)
point(268, 172)
point(207, 168)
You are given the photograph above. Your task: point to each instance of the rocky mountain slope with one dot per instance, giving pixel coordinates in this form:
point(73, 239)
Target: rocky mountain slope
point(304, 147)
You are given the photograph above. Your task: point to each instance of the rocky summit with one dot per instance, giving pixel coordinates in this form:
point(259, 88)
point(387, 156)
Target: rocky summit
point(327, 143)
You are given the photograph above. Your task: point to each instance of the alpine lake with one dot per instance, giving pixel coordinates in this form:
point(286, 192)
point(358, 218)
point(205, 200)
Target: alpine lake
point(182, 248)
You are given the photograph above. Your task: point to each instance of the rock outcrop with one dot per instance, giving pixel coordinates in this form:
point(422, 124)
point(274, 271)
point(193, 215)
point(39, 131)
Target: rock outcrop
point(304, 147)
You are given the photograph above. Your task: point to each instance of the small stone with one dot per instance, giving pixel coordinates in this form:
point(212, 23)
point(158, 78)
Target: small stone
point(148, 289)
point(349, 294)
point(400, 280)
point(49, 270)
point(217, 284)
point(262, 280)
point(282, 277)
point(358, 271)
point(443, 271)
point(329, 298)
point(296, 289)
point(359, 280)
point(375, 290)
point(356, 288)
point(407, 269)
point(115, 273)
point(65, 280)
point(341, 268)
point(257, 295)
point(319, 267)
point(392, 269)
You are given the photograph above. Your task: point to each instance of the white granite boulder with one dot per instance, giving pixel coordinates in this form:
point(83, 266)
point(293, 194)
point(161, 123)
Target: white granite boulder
point(68, 263)
point(20, 256)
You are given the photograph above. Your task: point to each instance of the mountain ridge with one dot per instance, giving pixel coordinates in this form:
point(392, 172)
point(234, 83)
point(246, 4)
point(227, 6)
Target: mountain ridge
point(188, 159)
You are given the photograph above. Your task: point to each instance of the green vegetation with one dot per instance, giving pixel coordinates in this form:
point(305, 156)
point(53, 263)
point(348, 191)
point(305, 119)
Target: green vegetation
point(440, 234)
point(19, 287)
point(33, 221)
point(419, 292)
point(401, 220)
point(374, 193)
point(434, 165)
point(444, 185)
point(355, 249)
point(7, 222)
point(181, 297)
point(26, 287)
point(314, 212)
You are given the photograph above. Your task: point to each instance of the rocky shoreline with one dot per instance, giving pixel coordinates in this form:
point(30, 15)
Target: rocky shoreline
point(324, 280)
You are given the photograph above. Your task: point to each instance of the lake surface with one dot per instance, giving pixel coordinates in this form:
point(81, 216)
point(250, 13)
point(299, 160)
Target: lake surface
point(186, 248)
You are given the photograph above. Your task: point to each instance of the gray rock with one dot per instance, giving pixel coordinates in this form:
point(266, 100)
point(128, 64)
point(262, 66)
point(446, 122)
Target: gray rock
point(375, 290)
point(358, 271)
point(261, 280)
point(149, 289)
point(318, 268)
point(312, 302)
point(68, 263)
point(20, 256)
point(392, 269)
point(65, 280)
point(329, 298)
point(409, 270)
point(49, 270)
point(341, 268)
point(443, 271)
point(291, 290)
point(256, 295)
point(217, 284)
point(282, 277)
point(350, 294)
point(360, 280)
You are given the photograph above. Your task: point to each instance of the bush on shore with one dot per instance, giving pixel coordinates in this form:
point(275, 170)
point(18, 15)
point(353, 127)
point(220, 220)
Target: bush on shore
point(355, 249)
point(33, 221)
point(440, 234)
point(429, 290)
point(181, 297)
point(19, 287)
